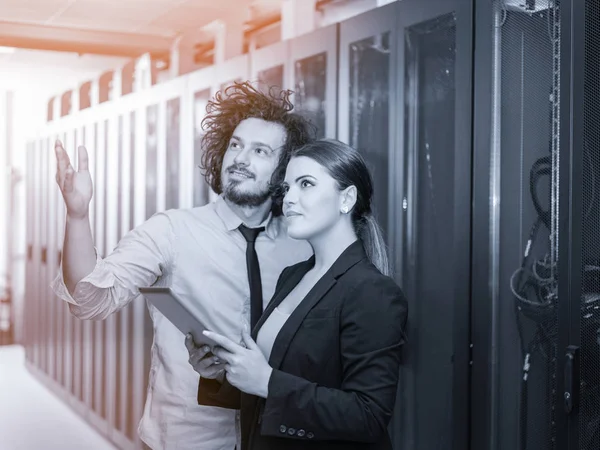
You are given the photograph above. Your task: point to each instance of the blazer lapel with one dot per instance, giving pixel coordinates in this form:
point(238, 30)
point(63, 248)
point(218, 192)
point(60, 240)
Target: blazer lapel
point(349, 257)
point(290, 327)
point(292, 280)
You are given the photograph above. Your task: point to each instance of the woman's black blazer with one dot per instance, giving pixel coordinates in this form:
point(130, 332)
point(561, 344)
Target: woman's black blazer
point(335, 363)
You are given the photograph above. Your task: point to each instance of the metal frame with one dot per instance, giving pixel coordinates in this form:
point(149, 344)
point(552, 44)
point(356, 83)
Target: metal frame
point(123, 355)
point(415, 14)
point(571, 201)
point(463, 192)
point(111, 224)
point(32, 253)
point(484, 397)
point(45, 291)
point(99, 368)
point(483, 403)
point(27, 328)
point(37, 255)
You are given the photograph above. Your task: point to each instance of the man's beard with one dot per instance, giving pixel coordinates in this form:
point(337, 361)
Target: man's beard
point(237, 197)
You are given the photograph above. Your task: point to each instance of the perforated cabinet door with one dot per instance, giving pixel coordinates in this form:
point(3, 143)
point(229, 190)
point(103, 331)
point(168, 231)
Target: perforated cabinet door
point(404, 103)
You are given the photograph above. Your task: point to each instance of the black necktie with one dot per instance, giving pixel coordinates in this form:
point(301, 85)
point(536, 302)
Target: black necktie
point(256, 302)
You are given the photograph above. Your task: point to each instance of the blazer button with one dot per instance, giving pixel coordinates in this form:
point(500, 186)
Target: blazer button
point(310, 435)
point(282, 429)
point(301, 433)
point(291, 431)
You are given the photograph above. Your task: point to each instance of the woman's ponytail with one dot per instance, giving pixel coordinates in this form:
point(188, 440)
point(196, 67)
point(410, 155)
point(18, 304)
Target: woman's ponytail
point(371, 236)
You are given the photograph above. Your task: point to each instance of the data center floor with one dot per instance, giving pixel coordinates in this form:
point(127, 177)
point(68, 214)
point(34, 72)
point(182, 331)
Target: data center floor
point(32, 417)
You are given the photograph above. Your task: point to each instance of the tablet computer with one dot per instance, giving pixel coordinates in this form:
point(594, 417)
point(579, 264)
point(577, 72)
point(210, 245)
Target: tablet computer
point(165, 300)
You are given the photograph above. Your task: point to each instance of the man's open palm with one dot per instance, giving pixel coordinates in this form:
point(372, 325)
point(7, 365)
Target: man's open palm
point(76, 187)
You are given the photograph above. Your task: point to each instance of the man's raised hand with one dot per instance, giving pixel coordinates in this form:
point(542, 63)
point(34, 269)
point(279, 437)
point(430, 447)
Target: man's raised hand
point(76, 186)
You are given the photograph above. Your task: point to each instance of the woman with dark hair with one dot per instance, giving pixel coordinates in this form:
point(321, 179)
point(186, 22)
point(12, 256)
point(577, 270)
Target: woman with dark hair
point(320, 369)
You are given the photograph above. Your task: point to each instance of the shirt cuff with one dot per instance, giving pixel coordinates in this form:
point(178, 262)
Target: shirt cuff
point(99, 278)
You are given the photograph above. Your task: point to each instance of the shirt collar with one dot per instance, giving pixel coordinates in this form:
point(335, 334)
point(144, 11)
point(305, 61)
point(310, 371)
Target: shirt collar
point(232, 221)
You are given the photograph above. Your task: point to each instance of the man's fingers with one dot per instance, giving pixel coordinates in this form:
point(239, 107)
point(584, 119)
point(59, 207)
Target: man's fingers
point(204, 365)
point(82, 159)
point(192, 347)
point(212, 373)
point(189, 343)
point(62, 159)
point(62, 165)
point(68, 183)
point(210, 362)
point(195, 358)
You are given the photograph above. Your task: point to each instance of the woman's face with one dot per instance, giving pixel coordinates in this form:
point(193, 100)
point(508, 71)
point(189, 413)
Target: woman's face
point(312, 202)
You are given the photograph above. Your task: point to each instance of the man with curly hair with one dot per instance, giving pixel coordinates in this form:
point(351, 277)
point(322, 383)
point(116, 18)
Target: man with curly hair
point(200, 253)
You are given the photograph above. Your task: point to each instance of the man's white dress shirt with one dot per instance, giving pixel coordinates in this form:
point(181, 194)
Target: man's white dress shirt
point(201, 255)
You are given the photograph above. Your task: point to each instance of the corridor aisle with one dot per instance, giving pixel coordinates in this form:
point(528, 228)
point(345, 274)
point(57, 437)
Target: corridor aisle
point(33, 418)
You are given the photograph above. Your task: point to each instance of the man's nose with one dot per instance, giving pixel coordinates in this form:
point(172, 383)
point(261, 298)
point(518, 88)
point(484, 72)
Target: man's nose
point(242, 158)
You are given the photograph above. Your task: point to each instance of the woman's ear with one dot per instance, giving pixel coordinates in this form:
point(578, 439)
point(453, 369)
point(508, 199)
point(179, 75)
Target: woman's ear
point(348, 199)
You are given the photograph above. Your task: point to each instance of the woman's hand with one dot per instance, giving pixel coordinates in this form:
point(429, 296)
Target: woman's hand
point(245, 368)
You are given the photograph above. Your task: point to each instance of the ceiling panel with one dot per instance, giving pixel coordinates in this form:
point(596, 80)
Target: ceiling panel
point(69, 61)
point(32, 11)
point(100, 24)
point(34, 4)
point(222, 8)
point(163, 17)
point(156, 29)
point(180, 20)
point(150, 18)
point(26, 14)
point(122, 12)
